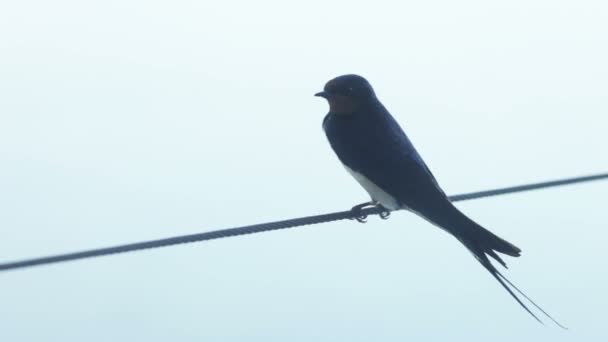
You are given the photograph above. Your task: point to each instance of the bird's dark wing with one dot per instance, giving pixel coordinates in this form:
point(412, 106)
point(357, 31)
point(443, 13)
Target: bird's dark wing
point(380, 150)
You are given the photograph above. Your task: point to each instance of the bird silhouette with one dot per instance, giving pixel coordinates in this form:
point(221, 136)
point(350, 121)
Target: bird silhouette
point(376, 152)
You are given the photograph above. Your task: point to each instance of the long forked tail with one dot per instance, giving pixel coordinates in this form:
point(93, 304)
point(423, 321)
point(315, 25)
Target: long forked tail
point(481, 243)
point(485, 262)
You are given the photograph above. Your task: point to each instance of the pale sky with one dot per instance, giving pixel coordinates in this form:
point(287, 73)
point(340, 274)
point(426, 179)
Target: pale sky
point(130, 120)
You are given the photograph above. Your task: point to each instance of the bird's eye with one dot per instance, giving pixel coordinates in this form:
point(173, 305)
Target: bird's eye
point(350, 90)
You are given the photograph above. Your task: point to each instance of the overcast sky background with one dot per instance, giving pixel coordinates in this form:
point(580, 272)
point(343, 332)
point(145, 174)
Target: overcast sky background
point(130, 120)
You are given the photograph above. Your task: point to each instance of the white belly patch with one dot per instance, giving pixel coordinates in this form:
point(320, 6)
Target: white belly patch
point(375, 192)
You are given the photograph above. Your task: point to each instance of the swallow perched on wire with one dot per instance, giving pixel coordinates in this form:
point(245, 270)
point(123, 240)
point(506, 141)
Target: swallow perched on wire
point(376, 152)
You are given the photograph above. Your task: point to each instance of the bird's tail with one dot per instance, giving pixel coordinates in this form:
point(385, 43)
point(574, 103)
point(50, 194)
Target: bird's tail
point(483, 243)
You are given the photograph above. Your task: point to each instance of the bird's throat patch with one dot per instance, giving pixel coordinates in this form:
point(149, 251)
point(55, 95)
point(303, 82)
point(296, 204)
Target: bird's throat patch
point(340, 104)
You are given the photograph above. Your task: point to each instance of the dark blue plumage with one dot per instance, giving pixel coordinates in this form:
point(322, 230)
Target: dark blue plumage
point(373, 147)
point(371, 142)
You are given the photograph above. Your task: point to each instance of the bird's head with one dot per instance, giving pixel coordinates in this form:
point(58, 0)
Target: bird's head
point(346, 94)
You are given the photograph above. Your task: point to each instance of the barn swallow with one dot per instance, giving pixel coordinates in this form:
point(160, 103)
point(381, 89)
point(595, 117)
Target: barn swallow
point(376, 152)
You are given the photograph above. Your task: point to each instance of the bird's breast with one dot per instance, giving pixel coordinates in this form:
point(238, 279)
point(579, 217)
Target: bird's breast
point(375, 192)
point(360, 141)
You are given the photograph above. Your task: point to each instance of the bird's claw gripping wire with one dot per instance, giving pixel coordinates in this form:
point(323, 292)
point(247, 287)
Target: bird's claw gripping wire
point(358, 212)
point(385, 213)
point(361, 217)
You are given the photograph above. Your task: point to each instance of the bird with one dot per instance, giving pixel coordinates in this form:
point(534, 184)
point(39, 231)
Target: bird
point(375, 150)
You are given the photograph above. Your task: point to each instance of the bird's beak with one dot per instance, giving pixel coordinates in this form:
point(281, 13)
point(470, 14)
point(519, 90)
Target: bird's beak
point(322, 94)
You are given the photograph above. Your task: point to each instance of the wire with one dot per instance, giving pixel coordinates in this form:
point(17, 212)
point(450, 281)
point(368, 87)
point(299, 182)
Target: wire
point(527, 187)
point(264, 227)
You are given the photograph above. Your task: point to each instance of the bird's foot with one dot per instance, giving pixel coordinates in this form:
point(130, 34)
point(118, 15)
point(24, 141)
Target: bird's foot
point(362, 217)
point(358, 211)
point(384, 213)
